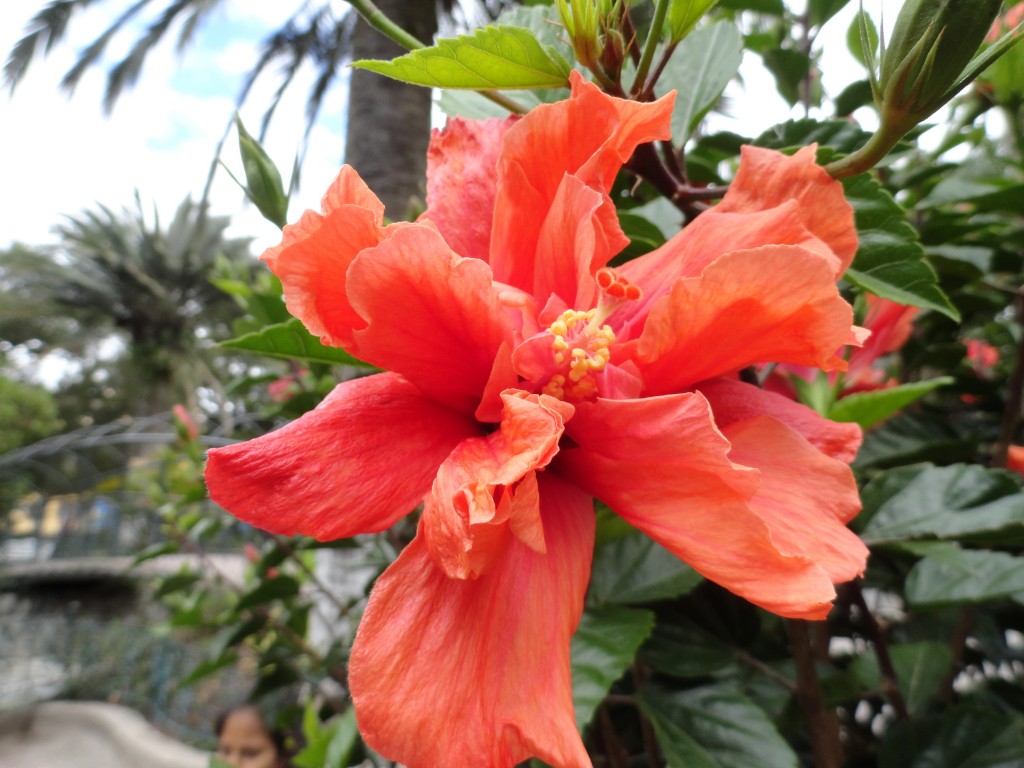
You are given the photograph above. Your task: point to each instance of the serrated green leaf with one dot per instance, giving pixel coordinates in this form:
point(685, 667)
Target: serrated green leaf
point(290, 340)
point(699, 71)
point(965, 736)
point(890, 261)
point(715, 726)
point(908, 438)
point(502, 57)
point(602, 649)
point(636, 569)
point(685, 650)
point(869, 408)
point(953, 576)
point(958, 501)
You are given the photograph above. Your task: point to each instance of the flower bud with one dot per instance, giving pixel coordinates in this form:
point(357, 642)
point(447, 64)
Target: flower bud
point(932, 43)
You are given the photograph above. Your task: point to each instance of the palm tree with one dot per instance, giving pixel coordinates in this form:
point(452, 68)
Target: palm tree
point(115, 275)
point(388, 122)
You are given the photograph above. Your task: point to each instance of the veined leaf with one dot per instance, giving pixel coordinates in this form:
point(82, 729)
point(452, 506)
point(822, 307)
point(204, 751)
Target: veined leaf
point(636, 569)
point(290, 340)
point(704, 64)
point(683, 15)
point(921, 669)
point(963, 501)
point(949, 575)
point(715, 726)
point(602, 649)
point(964, 736)
point(492, 57)
point(890, 260)
point(869, 408)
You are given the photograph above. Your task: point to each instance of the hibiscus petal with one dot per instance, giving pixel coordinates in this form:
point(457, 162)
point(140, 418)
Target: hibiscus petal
point(447, 673)
point(662, 465)
point(432, 316)
point(488, 480)
point(461, 182)
point(316, 251)
point(776, 303)
point(805, 497)
point(767, 178)
point(356, 464)
point(709, 236)
point(734, 401)
point(590, 135)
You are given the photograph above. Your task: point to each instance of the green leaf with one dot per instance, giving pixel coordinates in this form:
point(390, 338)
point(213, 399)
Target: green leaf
point(290, 340)
point(821, 11)
point(602, 649)
point(263, 181)
point(683, 15)
point(869, 408)
point(636, 569)
point(715, 726)
point(209, 667)
point(685, 650)
point(949, 575)
point(842, 135)
point(855, 40)
point(890, 261)
point(179, 582)
point(216, 762)
point(790, 69)
point(702, 66)
point(921, 670)
point(771, 7)
point(492, 57)
point(344, 737)
point(278, 588)
point(965, 736)
point(958, 501)
point(908, 438)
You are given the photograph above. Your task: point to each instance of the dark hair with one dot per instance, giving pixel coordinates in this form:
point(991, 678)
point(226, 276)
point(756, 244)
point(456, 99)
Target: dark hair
point(278, 736)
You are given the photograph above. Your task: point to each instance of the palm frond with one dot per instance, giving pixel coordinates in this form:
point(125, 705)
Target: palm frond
point(46, 29)
point(91, 55)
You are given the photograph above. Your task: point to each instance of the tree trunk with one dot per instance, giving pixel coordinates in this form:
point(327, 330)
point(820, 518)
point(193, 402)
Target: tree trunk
point(389, 121)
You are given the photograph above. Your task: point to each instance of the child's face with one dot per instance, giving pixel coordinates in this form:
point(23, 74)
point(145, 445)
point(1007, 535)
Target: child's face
point(245, 743)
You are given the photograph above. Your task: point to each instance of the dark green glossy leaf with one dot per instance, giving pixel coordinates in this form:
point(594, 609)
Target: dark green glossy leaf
point(790, 68)
point(909, 438)
point(890, 261)
point(702, 66)
point(499, 57)
point(965, 736)
point(636, 569)
point(921, 670)
point(841, 135)
point(685, 650)
point(949, 575)
point(290, 340)
point(854, 96)
point(958, 501)
point(602, 650)
point(869, 408)
point(716, 726)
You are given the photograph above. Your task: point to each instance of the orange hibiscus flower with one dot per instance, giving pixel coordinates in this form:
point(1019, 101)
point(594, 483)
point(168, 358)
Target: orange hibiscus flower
point(525, 378)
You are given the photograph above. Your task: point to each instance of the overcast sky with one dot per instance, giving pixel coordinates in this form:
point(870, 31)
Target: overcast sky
point(61, 155)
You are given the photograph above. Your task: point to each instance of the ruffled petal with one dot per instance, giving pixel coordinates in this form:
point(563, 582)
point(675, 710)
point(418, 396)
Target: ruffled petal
point(662, 465)
point(487, 485)
point(461, 182)
point(590, 136)
point(767, 178)
point(357, 463)
point(891, 325)
point(447, 673)
point(805, 497)
point(432, 316)
point(316, 251)
point(734, 401)
point(776, 303)
point(711, 235)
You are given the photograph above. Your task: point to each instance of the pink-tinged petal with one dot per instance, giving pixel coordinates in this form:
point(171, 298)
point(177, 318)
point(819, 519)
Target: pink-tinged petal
point(805, 497)
point(590, 136)
point(447, 673)
point(734, 401)
point(461, 182)
point(432, 316)
point(767, 178)
point(891, 325)
point(488, 484)
point(357, 463)
point(711, 235)
point(776, 303)
point(663, 466)
point(316, 251)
